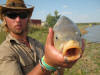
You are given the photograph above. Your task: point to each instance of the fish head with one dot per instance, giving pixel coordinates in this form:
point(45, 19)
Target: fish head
point(67, 39)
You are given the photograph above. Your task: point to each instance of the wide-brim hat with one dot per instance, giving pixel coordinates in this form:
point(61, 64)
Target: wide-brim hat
point(15, 5)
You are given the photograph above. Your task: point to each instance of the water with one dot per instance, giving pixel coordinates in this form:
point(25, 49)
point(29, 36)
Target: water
point(93, 34)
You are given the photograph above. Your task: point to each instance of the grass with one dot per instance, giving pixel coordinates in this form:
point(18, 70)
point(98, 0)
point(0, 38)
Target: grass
point(39, 33)
point(89, 64)
point(2, 36)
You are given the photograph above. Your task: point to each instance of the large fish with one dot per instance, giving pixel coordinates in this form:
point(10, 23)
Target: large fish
point(67, 39)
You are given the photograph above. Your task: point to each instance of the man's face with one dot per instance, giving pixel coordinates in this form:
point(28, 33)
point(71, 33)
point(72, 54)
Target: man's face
point(17, 21)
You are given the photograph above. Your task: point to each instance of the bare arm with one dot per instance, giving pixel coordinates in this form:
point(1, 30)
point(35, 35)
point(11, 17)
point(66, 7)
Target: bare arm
point(59, 72)
point(38, 71)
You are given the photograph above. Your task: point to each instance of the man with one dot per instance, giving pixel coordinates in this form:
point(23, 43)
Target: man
point(20, 54)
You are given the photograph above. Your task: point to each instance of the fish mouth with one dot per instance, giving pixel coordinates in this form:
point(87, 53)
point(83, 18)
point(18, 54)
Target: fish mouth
point(72, 50)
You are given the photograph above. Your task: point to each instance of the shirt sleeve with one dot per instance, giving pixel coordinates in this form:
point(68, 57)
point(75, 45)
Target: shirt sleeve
point(8, 63)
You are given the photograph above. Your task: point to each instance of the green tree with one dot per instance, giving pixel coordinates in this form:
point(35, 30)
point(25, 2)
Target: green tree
point(51, 20)
point(56, 15)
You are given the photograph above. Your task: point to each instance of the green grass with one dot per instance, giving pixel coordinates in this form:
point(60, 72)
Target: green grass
point(39, 33)
point(89, 64)
point(2, 36)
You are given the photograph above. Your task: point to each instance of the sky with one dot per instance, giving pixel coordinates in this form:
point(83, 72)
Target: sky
point(79, 11)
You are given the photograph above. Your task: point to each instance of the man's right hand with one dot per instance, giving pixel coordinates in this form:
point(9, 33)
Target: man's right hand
point(52, 56)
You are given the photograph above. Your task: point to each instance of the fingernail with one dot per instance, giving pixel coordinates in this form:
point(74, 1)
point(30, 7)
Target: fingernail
point(50, 29)
point(65, 59)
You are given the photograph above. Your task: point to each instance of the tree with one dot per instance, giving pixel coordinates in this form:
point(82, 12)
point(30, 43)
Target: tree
point(56, 15)
point(51, 20)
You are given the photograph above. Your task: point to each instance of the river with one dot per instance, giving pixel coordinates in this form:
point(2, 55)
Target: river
point(93, 34)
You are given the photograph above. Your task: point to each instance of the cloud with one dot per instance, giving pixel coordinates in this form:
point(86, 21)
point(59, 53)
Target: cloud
point(98, 10)
point(82, 18)
point(41, 12)
point(65, 6)
point(40, 15)
point(66, 13)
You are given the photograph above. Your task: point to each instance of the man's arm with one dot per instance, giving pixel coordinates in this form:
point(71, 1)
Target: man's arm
point(8, 63)
point(59, 72)
point(38, 71)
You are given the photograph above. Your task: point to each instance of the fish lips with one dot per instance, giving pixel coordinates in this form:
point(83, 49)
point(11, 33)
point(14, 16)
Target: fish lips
point(72, 50)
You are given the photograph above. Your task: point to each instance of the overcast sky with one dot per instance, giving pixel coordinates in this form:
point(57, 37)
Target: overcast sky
point(77, 10)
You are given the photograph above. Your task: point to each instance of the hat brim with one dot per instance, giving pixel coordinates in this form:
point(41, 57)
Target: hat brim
point(2, 8)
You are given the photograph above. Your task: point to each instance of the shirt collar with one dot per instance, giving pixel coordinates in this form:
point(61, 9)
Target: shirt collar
point(12, 39)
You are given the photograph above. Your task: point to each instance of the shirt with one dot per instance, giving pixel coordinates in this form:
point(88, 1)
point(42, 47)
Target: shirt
point(18, 59)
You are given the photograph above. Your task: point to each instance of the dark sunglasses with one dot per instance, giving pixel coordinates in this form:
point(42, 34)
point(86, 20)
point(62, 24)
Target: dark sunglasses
point(13, 15)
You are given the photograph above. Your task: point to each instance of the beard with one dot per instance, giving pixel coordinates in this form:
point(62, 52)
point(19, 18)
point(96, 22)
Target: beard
point(19, 31)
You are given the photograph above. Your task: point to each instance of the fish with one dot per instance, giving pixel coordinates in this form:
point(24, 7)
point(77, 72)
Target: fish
point(67, 39)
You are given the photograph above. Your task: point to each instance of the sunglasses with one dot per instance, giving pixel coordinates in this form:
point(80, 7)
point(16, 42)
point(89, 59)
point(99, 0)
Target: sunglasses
point(13, 15)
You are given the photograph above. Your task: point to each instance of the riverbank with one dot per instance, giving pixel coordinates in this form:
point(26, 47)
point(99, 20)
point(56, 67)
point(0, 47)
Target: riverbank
point(89, 64)
point(82, 28)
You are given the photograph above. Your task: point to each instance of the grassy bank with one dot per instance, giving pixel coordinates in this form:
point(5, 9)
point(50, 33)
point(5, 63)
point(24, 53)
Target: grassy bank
point(89, 64)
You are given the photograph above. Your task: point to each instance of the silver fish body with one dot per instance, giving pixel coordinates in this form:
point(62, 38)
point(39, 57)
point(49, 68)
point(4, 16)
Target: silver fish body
point(67, 38)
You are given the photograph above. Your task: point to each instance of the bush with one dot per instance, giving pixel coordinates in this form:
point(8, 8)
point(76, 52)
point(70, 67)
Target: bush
point(2, 36)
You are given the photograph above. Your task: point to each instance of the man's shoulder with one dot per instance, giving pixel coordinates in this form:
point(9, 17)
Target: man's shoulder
point(35, 42)
point(4, 44)
point(5, 49)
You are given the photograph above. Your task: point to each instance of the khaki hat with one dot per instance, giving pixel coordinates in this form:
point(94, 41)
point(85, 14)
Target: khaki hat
point(15, 5)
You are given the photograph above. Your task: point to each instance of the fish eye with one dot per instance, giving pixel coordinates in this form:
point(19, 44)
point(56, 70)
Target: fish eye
point(80, 35)
point(56, 37)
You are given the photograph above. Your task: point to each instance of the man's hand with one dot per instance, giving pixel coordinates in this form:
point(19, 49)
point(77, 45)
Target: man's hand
point(52, 56)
